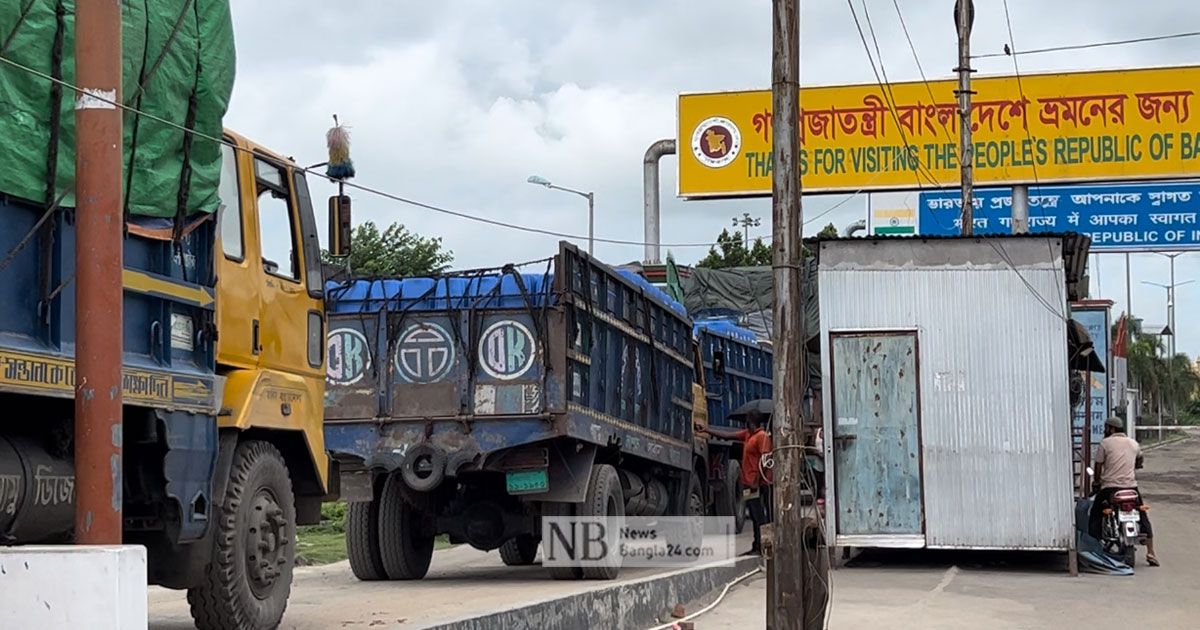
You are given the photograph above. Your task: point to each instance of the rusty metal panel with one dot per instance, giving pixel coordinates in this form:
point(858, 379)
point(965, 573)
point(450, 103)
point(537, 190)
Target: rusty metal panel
point(994, 407)
point(876, 442)
point(354, 347)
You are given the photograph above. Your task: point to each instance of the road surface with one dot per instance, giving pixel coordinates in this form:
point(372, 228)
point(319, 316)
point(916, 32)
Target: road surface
point(1007, 591)
point(462, 582)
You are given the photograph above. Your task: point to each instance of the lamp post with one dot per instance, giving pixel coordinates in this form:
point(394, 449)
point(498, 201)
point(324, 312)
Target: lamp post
point(591, 199)
point(1170, 306)
point(746, 222)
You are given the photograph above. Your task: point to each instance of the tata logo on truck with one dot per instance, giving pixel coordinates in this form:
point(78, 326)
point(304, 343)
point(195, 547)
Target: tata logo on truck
point(349, 359)
point(424, 353)
point(506, 350)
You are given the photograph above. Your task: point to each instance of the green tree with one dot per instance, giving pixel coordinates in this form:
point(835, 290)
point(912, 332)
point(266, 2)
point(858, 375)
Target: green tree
point(734, 253)
point(1167, 382)
point(829, 231)
point(393, 252)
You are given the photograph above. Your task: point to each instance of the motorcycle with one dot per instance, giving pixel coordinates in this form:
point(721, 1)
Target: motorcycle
point(1120, 532)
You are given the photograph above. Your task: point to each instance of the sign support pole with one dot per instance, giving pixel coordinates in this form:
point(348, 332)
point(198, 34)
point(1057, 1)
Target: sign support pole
point(1020, 209)
point(99, 293)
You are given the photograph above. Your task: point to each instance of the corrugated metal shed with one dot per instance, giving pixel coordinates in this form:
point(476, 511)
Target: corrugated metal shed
point(990, 316)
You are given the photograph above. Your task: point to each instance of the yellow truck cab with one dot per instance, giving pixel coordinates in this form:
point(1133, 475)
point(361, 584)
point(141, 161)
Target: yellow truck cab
point(224, 380)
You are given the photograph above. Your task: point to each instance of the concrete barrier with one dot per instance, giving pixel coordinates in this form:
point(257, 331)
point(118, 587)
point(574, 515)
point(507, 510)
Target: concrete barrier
point(71, 587)
point(631, 605)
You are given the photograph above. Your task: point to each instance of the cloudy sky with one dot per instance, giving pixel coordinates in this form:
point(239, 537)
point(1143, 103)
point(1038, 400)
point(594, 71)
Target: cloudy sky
point(456, 103)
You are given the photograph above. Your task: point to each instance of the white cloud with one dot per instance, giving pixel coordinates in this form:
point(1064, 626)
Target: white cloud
point(456, 103)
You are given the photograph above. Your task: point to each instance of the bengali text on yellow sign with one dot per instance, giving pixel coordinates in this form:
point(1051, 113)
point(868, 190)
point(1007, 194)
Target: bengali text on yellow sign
point(1052, 128)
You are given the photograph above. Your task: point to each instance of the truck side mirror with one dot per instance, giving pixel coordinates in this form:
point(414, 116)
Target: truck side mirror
point(339, 225)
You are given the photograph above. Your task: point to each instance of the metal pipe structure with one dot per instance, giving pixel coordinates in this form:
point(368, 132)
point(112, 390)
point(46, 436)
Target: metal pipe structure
point(1020, 209)
point(787, 570)
point(650, 195)
point(854, 228)
point(99, 294)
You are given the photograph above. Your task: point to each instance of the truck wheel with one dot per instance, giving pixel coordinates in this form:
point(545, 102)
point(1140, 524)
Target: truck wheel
point(404, 547)
point(520, 551)
point(572, 572)
point(734, 483)
point(362, 541)
point(249, 576)
point(605, 499)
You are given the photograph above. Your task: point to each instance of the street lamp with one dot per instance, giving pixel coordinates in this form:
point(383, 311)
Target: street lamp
point(591, 198)
point(746, 222)
point(1170, 288)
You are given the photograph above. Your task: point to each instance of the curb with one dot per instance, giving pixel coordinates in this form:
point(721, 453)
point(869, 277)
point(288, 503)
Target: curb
point(634, 605)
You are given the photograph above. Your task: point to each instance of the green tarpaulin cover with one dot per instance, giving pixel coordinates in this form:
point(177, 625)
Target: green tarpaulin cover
point(178, 65)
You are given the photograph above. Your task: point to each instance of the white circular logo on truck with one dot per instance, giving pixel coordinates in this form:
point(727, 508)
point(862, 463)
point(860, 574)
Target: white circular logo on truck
point(506, 350)
point(349, 359)
point(424, 353)
point(716, 142)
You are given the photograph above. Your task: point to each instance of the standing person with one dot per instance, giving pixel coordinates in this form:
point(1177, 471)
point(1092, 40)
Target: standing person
point(1117, 459)
point(756, 443)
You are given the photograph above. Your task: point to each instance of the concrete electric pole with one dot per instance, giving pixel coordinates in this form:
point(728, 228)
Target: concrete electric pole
point(964, 17)
point(787, 570)
point(99, 294)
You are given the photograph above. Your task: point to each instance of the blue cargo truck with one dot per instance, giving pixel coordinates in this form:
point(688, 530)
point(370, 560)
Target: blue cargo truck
point(471, 405)
point(737, 370)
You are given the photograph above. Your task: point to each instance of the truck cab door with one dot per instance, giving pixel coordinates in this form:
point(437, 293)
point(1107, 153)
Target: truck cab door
point(290, 330)
point(238, 297)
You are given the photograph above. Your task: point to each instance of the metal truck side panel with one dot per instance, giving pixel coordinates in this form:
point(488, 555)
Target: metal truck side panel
point(745, 375)
point(994, 409)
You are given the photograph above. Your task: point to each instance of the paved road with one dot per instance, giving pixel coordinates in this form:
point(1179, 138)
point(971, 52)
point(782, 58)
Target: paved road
point(462, 582)
point(1006, 591)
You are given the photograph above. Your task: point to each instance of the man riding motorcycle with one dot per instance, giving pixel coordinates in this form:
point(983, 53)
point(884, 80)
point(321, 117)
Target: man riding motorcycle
point(1117, 457)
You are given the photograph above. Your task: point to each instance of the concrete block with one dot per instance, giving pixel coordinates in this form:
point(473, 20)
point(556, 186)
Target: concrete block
point(69, 587)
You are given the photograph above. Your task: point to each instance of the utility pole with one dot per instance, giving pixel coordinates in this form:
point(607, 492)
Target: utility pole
point(99, 239)
point(964, 17)
point(787, 572)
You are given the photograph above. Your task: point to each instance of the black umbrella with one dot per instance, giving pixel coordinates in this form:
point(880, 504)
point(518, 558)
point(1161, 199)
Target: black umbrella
point(765, 406)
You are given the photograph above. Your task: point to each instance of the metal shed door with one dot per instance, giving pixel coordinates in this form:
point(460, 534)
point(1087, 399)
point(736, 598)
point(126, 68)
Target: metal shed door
point(876, 442)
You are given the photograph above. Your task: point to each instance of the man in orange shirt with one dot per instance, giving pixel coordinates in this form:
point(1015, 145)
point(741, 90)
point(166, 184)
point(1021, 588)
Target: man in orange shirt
point(756, 477)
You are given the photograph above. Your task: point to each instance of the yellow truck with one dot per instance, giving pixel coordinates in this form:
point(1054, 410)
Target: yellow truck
point(224, 385)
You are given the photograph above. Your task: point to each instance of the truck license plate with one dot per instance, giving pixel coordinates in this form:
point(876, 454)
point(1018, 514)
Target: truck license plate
point(527, 481)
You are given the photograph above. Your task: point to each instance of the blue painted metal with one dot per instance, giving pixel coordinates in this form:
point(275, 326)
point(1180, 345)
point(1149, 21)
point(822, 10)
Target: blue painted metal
point(37, 313)
point(1124, 217)
point(745, 374)
point(502, 360)
point(876, 443)
point(188, 467)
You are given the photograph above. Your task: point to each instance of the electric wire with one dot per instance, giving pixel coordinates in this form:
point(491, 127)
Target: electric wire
point(360, 187)
point(885, 89)
point(1120, 42)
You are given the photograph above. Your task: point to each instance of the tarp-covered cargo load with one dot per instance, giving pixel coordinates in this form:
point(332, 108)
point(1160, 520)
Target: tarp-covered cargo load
point(178, 66)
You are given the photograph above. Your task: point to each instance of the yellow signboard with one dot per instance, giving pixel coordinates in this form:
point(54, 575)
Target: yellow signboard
point(1069, 127)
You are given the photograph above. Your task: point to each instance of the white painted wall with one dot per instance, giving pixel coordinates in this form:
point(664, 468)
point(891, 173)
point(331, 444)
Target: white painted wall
point(71, 587)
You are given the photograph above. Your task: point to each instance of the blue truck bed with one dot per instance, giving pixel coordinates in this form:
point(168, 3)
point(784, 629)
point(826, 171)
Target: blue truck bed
point(476, 363)
point(737, 369)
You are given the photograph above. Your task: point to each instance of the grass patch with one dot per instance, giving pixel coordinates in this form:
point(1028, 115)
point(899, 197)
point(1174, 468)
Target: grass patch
point(325, 543)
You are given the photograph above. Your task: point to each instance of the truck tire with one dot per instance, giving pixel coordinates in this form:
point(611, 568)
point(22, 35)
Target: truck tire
point(604, 499)
point(734, 483)
point(362, 541)
point(249, 576)
point(404, 547)
point(573, 572)
point(520, 551)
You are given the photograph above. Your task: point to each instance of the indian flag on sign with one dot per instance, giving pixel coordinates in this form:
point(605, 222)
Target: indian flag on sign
point(894, 222)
